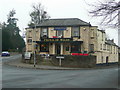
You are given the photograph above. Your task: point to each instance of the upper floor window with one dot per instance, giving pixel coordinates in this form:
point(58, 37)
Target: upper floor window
point(108, 47)
point(59, 33)
point(111, 50)
point(44, 32)
point(29, 33)
point(91, 47)
point(92, 33)
point(75, 31)
point(101, 46)
point(104, 48)
point(114, 49)
point(29, 40)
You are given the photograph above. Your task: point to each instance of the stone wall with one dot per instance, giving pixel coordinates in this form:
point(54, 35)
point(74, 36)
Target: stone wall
point(76, 61)
point(68, 61)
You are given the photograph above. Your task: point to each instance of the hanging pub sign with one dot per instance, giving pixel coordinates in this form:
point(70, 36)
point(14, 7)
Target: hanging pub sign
point(56, 39)
point(59, 28)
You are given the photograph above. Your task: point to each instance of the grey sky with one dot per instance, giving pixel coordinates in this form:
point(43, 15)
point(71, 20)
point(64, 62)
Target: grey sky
point(55, 8)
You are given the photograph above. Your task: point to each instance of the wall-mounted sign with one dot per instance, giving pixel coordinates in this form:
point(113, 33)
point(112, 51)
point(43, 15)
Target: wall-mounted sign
point(59, 28)
point(57, 39)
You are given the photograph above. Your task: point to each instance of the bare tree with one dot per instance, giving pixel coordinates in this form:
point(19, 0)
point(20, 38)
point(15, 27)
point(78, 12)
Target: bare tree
point(38, 14)
point(109, 11)
point(11, 19)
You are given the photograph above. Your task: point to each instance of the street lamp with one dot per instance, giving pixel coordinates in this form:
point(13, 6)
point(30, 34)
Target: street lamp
point(0, 38)
point(1, 53)
point(35, 47)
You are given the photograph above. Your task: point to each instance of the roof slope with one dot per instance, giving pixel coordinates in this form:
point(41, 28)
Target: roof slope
point(110, 42)
point(64, 22)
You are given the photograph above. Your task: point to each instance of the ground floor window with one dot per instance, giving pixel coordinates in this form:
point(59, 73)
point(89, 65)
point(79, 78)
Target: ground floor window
point(67, 48)
point(44, 47)
point(75, 47)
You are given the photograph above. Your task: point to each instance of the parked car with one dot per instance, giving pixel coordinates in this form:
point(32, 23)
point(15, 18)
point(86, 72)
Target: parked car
point(5, 53)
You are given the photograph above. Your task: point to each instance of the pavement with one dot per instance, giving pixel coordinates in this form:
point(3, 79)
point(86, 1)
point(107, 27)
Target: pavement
point(19, 63)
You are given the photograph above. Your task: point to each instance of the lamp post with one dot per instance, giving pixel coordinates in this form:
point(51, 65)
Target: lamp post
point(35, 47)
point(119, 28)
point(0, 38)
point(1, 53)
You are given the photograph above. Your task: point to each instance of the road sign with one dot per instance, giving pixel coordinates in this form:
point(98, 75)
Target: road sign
point(60, 57)
point(27, 55)
point(60, 61)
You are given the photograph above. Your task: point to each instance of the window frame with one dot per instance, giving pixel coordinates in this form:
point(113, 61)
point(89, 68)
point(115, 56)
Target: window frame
point(42, 50)
point(29, 40)
point(41, 31)
point(93, 48)
point(72, 31)
point(76, 46)
point(67, 48)
point(59, 31)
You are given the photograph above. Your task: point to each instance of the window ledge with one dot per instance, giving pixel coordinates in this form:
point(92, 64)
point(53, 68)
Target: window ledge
point(43, 51)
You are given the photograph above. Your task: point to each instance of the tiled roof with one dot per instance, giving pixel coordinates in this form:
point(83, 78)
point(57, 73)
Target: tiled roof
point(64, 22)
point(103, 31)
point(110, 42)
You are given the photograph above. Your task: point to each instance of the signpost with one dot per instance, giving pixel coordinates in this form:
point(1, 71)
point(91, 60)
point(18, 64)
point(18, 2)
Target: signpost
point(60, 59)
point(27, 55)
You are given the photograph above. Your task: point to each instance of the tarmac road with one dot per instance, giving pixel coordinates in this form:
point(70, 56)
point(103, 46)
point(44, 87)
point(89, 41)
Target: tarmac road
point(15, 77)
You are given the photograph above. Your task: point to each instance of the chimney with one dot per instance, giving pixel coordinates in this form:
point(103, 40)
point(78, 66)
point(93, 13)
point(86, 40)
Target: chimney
point(112, 40)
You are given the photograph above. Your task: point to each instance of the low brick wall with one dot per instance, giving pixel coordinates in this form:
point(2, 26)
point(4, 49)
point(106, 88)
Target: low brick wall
point(68, 61)
point(76, 61)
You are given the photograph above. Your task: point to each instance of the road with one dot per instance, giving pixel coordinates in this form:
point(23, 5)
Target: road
point(15, 77)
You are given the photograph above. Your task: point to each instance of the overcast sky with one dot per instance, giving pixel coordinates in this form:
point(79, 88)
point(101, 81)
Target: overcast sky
point(55, 8)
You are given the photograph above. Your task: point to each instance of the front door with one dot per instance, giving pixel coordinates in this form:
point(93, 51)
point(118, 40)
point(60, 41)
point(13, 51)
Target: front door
point(107, 60)
point(58, 48)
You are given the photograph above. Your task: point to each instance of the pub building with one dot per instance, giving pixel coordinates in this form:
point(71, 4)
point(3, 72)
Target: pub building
point(56, 36)
point(67, 36)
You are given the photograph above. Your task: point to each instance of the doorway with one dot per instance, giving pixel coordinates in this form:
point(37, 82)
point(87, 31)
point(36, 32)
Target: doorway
point(107, 60)
point(58, 48)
